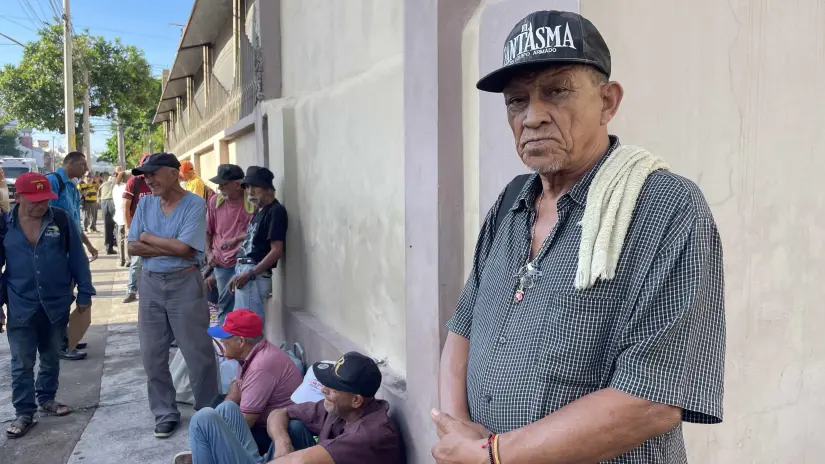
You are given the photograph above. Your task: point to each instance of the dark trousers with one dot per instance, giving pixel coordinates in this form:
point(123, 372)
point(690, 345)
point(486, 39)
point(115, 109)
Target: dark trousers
point(108, 207)
point(90, 214)
point(26, 340)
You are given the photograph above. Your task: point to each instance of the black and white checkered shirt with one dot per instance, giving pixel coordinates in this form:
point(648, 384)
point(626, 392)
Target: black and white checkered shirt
point(656, 331)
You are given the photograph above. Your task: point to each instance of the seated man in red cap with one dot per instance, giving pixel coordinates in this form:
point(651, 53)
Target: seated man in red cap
point(349, 426)
point(266, 380)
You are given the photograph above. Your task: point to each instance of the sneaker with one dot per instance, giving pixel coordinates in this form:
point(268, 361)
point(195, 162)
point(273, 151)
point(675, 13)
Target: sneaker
point(165, 429)
point(183, 458)
point(73, 355)
point(111, 252)
point(81, 346)
point(130, 298)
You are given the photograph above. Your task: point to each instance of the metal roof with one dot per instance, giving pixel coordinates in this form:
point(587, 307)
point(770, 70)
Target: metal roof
point(203, 27)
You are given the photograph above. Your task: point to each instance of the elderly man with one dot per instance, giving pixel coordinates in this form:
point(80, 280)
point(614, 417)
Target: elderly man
point(263, 242)
point(45, 247)
point(543, 362)
point(168, 233)
point(266, 380)
point(228, 214)
point(349, 426)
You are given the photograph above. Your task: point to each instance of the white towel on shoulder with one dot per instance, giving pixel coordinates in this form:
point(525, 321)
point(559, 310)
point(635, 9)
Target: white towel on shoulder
point(611, 200)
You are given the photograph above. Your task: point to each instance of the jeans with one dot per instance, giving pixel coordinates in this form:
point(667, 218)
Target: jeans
point(26, 340)
point(221, 436)
point(134, 274)
point(253, 295)
point(226, 299)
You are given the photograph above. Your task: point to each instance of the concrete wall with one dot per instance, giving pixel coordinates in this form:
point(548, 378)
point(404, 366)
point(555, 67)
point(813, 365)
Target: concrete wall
point(345, 252)
point(243, 152)
point(729, 93)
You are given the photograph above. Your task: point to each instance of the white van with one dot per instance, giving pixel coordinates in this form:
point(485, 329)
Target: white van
point(14, 167)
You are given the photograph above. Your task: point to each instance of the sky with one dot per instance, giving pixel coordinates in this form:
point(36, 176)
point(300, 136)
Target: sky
point(143, 23)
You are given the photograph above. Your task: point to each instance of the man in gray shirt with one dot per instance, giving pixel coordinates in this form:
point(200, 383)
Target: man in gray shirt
point(168, 232)
point(564, 373)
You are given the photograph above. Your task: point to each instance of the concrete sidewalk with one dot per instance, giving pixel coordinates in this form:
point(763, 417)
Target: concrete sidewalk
point(111, 422)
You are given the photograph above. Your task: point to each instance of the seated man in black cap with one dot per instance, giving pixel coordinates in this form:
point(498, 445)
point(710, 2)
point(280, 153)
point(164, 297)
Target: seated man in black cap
point(349, 426)
point(263, 243)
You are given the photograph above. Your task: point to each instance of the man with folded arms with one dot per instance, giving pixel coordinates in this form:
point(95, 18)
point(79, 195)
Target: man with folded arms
point(167, 232)
point(266, 380)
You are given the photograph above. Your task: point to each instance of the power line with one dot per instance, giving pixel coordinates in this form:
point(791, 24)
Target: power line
point(19, 24)
point(96, 28)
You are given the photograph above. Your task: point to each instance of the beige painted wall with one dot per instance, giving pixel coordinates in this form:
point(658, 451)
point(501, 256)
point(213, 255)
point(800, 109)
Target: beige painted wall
point(345, 258)
point(730, 93)
point(243, 151)
point(208, 167)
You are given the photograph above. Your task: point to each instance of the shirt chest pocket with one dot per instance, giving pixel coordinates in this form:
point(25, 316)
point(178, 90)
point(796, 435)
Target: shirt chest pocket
point(577, 333)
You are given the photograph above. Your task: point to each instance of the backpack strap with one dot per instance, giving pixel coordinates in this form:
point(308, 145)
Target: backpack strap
point(61, 218)
point(511, 193)
point(60, 184)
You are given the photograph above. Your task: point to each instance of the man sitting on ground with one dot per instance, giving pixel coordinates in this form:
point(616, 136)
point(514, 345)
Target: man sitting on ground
point(350, 426)
point(266, 380)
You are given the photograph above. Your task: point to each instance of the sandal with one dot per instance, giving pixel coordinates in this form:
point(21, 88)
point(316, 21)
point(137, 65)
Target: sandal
point(23, 424)
point(55, 408)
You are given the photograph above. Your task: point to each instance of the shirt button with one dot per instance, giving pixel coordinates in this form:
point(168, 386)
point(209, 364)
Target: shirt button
point(487, 398)
point(502, 340)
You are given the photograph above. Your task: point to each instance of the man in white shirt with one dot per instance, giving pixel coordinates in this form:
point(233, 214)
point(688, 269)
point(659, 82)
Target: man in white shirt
point(120, 219)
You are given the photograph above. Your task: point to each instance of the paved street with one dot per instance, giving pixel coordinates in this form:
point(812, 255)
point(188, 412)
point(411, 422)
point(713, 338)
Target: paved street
point(111, 422)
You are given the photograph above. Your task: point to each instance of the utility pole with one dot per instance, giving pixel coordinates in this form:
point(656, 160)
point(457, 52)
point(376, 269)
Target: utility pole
point(68, 78)
point(87, 102)
point(121, 149)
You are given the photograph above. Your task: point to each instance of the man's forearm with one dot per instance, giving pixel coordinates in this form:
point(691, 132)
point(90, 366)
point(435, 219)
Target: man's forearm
point(169, 246)
point(277, 425)
point(144, 250)
point(269, 260)
point(86, 240)
point(595, 428)
point(453, 377)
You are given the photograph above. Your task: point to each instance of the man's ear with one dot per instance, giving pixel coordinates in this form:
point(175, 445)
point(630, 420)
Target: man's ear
point(357, 401)
point(612, 95)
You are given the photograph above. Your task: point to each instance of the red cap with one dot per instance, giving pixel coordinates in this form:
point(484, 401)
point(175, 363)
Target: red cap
point(239, 323)
point(34, 186)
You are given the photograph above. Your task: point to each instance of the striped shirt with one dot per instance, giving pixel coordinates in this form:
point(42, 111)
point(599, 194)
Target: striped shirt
point(655, 331)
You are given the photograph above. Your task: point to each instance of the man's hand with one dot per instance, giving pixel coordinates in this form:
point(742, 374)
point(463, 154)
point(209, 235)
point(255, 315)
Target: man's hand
point(230, 243)
point(282, 448)
point(478, 428)
point(459, 443)
point(210, 259)
point(92, 251)
point(239, 281)
point(145, 237)
point(83, 308)
point(210, 282)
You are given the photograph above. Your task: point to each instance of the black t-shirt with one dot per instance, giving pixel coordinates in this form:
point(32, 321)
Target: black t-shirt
point(269, 224)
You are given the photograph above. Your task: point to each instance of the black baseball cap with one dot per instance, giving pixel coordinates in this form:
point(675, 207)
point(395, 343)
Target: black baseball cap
point(259, 177)
point(353, 373)
point(227, 173)
point(545, 38)
point(156, 161)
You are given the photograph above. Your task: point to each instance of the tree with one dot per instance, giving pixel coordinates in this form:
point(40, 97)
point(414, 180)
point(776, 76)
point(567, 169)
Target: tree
point(120, 82)
point(8, 143)
point(136, 143)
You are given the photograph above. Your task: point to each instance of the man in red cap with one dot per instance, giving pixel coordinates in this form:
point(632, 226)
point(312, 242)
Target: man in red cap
point(47, 251)
point(136, 189)
point(265, 382)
